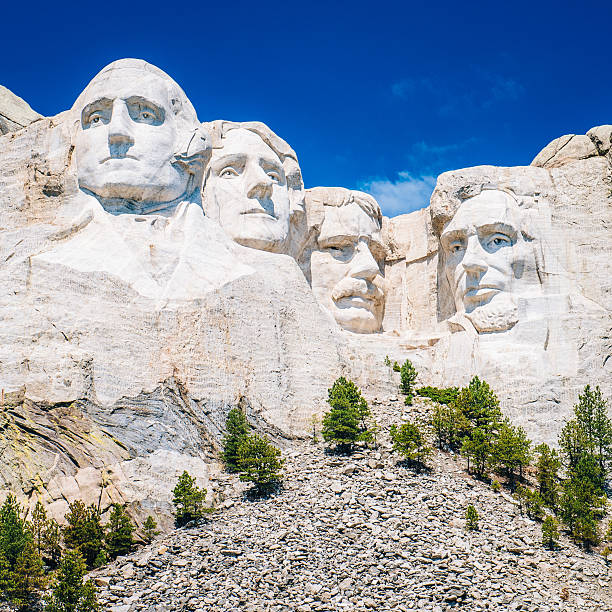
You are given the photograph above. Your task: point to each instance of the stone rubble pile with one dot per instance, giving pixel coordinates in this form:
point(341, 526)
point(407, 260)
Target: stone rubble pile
point(359, 533)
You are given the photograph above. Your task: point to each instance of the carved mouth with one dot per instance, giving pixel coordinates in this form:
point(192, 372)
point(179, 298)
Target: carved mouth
point(356, 301)
point(258, 212)
point(118, 157)
point(479, 291)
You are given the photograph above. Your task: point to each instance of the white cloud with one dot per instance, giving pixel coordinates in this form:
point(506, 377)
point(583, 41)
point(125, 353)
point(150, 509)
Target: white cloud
point(406, 194)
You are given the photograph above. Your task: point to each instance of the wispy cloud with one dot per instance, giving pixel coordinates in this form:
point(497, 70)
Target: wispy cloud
point(486, 90)
point(405, 194)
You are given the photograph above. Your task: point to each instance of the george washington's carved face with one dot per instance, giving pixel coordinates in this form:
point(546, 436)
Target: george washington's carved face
point(127, 139)
point(489, 260)
point(246, 191)
point(346, 268)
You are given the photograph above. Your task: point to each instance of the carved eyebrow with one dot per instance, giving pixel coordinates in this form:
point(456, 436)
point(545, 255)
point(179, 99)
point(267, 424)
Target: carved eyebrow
point(230, 158)
point(452, 235)
point(492, 228)
point(340, 239)
point(95, 105)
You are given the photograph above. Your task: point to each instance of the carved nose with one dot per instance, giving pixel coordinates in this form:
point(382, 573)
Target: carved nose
point(119, 127)
point(473, 261)
point(259, 184)
point(363, 264)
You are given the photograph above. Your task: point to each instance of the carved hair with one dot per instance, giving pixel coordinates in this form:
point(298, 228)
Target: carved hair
point(318, 197)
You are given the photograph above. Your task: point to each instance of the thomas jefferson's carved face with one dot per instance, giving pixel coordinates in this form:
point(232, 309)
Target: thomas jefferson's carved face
point(127, 139)
point(489, 261)
point(246, 191)
point(346, 268)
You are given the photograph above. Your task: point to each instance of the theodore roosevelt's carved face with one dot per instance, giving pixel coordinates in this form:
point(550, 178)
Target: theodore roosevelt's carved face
point(346, 268)
point(246, 191)
point(127, 138)
point(489, 260)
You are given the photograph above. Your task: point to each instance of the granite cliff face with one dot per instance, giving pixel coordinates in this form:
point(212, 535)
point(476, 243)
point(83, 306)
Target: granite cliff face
point(132, 321)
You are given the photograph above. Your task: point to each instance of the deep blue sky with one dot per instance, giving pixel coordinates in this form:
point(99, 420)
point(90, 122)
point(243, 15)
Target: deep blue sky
point(378, 95)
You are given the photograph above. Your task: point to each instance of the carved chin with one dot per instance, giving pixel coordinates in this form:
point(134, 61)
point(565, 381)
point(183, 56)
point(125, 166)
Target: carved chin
point(500, 314)
point(358, 320)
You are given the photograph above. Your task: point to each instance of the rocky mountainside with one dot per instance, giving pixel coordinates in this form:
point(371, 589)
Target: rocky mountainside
point(359, 533)
point(15, 113)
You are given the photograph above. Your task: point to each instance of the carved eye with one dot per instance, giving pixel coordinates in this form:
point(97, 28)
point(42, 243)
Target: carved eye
point(228, 172)
point(274, 175)
point(95, 118)
point(146, 115)
point(499, 240)
point(455, 247)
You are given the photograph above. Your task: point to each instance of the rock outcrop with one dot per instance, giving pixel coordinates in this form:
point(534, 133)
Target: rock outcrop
point(15, 113)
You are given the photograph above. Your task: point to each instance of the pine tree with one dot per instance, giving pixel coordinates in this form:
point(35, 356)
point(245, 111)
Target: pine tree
point(69, 594)
point(188, 500)
point(479, 405)
point(149, 529)
point(478, 449)
point(511, 449)
point(14, 533)
point(85, 533)
point(410, 442)
point(471, 518)
point(548, 465)
point(346, 422)
point(260, 463)
point(579, 505)
point(52, 542)
point(449, 426)
point(550, 532)
point(119, 534)
point(28, 578)
point(408, 375)
point(236, 428)
point(38, 524)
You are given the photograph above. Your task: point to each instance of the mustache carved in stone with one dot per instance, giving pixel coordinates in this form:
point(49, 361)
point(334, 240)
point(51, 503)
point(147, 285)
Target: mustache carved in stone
point(351, 287)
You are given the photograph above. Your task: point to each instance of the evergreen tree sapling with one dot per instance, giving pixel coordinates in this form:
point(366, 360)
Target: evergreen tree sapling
point(550, 532)
point(28, 578)
point(471, 518)
point(188, 500)
point(236, 429)
point(408, 375)
point(260, 463)
point(346, 423)
point(149, 529)
point(410, 442)
point(119, 534)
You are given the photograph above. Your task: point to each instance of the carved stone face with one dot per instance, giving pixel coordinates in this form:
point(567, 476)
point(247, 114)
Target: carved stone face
point(246, 192)
point(489, 261)
point(346, 268)
point(127, 139)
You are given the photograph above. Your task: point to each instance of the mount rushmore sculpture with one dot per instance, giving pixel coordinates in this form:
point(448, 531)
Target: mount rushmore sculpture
point(158, 271)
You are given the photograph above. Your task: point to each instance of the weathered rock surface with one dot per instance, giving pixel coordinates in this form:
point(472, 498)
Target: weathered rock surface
point(359, 533)
point(15, 113)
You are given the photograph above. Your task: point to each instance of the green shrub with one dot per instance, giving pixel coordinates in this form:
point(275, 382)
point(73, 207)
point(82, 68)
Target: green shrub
point(120, 530)
point(236, 428)
point(188, 500)
point(346, 423)
point(410, 442)
point(85, 533)
point(449, 425)
point(396, 366)
point(550, 532)
point(496, 486)
point(531, 502)
point(441, 396)
point(69, 594)
point(149, 529)
point(260, 463)
point(471, 518)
